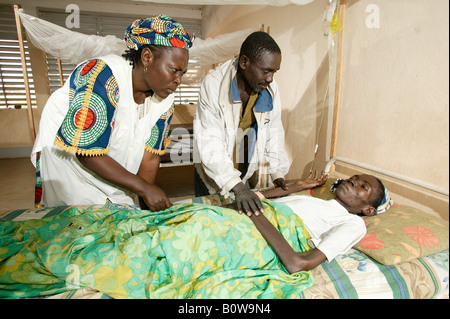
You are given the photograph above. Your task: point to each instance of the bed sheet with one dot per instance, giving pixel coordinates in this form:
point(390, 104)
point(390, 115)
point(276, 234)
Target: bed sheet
point(190, 251)
point(350, 276)
point(355, 275)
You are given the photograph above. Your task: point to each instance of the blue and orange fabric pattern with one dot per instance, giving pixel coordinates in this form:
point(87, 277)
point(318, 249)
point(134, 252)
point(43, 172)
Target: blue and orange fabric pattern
point(159, 138)
point(87, 126)
point(38, 183)
point(89, 122)
point(158, 30)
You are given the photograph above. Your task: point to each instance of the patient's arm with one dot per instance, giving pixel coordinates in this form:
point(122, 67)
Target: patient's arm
point(313, 180)
point(292, 260)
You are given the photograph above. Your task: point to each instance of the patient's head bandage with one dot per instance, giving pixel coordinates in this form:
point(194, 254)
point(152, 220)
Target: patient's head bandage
point(385, 204)
point(157, 30)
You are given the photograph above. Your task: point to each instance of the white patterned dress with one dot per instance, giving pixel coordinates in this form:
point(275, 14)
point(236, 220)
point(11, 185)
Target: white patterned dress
point(95, 114)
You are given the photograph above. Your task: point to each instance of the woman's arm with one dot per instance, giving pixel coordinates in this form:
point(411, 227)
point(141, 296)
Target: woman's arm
point(147, 171)
point(110, 170)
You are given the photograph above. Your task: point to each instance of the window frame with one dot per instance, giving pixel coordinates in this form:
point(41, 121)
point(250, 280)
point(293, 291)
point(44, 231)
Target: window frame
point(103, 24)
point(12, 83)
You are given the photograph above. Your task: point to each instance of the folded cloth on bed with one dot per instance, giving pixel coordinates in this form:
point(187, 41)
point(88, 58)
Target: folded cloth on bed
point(187, 251)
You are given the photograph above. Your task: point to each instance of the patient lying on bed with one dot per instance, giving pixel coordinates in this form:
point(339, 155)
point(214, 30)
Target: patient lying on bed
point(187, 251)
point(333, 225)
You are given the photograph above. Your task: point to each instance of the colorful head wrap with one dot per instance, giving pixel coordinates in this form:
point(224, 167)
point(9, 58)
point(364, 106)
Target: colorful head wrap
point(157, 30)
point(385, 204)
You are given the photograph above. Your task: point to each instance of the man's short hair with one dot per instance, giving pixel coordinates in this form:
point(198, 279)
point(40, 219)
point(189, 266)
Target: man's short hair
point(256, 44)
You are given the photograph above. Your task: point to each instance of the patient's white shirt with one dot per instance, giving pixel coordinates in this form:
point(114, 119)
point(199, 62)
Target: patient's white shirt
point(332, 228)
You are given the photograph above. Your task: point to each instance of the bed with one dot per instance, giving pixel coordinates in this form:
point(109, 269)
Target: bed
point(403, 256)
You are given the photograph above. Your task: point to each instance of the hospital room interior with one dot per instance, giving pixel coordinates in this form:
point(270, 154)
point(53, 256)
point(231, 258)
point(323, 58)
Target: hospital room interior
point(363, 86)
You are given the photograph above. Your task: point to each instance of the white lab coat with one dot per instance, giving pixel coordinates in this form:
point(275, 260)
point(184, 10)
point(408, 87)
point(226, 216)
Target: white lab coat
point(216, 124)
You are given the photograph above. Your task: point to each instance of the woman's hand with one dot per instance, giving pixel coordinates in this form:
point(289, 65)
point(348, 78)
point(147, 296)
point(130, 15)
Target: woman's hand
point(140, 184)
point(151, 196)
point(155, 198)
point(260, 195)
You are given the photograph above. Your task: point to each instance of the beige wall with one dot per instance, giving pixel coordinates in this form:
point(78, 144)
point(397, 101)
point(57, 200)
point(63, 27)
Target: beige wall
point(395, 102)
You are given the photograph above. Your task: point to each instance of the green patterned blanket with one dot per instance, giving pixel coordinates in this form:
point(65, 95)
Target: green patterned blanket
point(187, 251)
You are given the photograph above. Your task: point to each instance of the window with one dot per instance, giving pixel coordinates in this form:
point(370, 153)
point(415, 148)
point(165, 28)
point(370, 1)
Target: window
point(186, 94)
point(12, 87)
point(108, 24)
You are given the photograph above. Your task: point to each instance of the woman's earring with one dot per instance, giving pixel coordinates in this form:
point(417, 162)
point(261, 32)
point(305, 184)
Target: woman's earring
point(145, 69)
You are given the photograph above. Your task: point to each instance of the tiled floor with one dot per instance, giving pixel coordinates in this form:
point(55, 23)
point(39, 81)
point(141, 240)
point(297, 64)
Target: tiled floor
point(17, 178)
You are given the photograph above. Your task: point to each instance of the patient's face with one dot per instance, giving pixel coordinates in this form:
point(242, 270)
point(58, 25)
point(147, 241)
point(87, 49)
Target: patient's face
point(357, 192)
point(259, 74)
point(164, 74)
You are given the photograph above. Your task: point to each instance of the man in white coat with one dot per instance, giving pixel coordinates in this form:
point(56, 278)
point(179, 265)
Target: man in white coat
point(238, 124)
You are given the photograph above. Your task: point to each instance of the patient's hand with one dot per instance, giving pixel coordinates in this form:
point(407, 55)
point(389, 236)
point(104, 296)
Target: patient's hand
point(313, 180)
point(305, 261)
point(260, 195)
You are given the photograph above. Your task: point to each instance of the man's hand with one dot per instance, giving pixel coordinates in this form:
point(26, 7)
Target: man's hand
point(280, 182)
point(247, 201)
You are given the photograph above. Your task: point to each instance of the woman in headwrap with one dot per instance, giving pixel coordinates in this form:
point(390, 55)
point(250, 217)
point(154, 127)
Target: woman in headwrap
point(101, 135)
